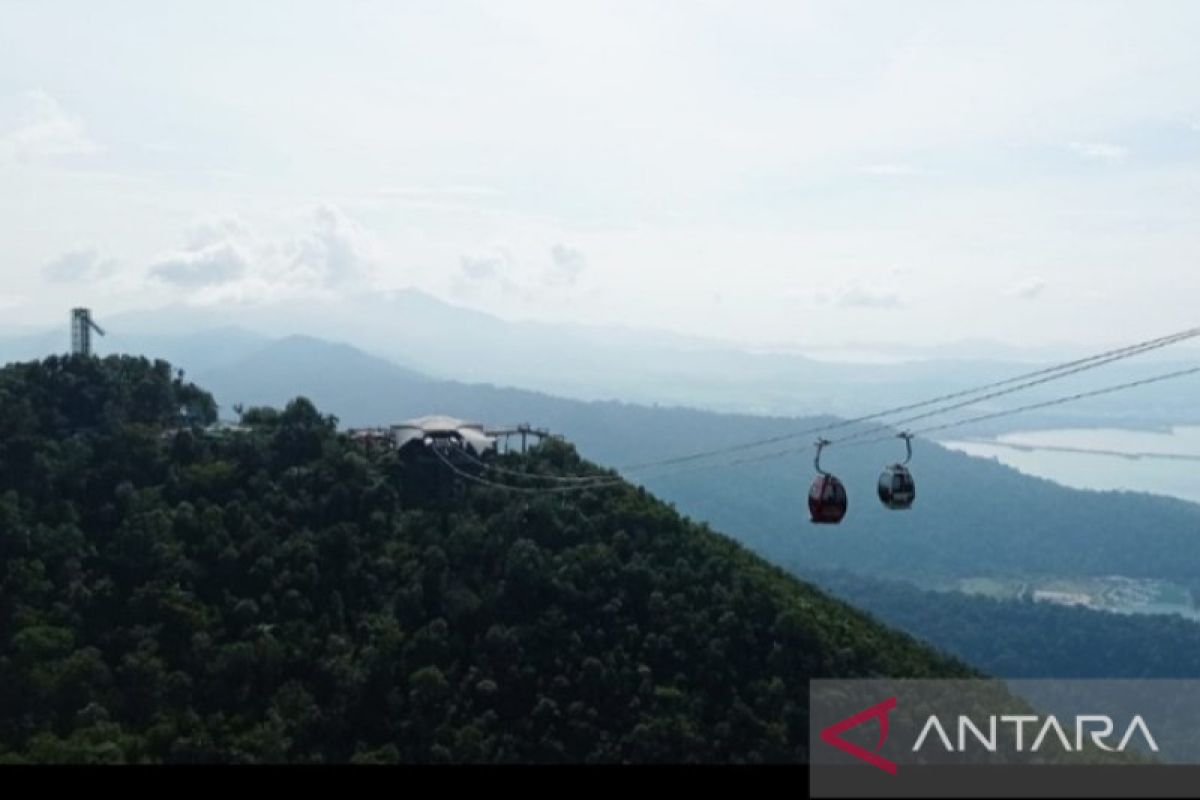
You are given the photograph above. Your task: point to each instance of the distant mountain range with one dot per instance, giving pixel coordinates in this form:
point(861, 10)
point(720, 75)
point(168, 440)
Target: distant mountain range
point(583, 362)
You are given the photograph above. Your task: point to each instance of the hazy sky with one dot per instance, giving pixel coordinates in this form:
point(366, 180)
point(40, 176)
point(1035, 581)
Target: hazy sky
point(769, 172)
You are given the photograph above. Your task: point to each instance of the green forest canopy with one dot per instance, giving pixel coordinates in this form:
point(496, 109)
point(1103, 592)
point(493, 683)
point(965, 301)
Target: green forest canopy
point(281, 596)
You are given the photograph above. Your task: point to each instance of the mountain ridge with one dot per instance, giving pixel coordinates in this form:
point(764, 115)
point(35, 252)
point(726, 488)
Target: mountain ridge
point(587, 362)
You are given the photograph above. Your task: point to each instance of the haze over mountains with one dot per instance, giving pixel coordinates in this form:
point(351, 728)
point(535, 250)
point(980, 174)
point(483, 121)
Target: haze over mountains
point(416, 330)
point(424, 356)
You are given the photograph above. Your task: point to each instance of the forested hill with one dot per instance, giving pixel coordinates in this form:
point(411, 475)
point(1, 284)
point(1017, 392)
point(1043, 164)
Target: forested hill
point(278, 595)
point(1013, 638)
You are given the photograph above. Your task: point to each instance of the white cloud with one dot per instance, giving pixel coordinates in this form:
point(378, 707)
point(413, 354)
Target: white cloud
point(481, 267)
point(215, 229)
point(337, 251)
point(227, 253)
point(1099, 151)
point(516, 274)
point(1029, 289)
point(483, 271)
point(42, 129)
point(78, 265)
point(212, 265)
point(568, 263)
point(660, 143)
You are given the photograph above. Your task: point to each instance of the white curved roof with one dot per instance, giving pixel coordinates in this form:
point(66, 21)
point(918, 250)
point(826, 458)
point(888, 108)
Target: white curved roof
point(470, 432)
point(438, 424)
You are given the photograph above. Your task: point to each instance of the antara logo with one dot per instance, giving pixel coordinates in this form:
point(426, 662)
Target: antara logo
point(989, 740)
point(833, 735)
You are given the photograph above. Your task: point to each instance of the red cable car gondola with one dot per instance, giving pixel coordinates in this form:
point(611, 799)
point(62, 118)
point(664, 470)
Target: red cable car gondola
point(896, 487)
point(827, 499)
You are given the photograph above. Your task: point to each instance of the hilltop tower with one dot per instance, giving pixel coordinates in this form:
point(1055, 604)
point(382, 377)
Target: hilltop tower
point(82, 326)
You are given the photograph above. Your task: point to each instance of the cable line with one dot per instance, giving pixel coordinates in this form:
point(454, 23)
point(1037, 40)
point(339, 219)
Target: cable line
point(1022, 382)
point(792, 451)
point(1043, 375)
point(533, 475)
point(891, 436)
point(520, 489)
point(1048, 403)
point(990, 396)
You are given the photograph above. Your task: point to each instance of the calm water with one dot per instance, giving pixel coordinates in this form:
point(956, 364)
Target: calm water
point(1086, 471)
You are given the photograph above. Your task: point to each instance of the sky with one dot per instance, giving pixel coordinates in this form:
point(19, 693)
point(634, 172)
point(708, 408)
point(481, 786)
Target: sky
point(769, 173)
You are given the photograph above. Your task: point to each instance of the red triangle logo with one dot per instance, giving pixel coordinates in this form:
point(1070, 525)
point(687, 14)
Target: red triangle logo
point(832, 735)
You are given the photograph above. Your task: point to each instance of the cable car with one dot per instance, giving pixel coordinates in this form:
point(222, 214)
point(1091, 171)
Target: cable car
point(896, 487)
point(827, 499)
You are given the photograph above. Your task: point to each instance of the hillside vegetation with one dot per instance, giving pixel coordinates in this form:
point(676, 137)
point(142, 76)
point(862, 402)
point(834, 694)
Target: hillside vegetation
point(1013, 638)
point(280, 596)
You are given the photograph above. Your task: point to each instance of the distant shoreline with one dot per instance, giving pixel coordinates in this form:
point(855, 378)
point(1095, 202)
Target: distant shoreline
point(1098, 471)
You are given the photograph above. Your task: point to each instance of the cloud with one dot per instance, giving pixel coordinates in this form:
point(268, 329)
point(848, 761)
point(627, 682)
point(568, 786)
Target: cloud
point(328, 251)
point(518, 275)
point(1027, 290)
point(858, 297)
point(481, 268)
point(43, 129)
point(209, 266)
point(336, 252)
point(489, 268)
point(1099, 151)
point(214, 230)
point(79, 265)
point(890, 170)
point(567, 263)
